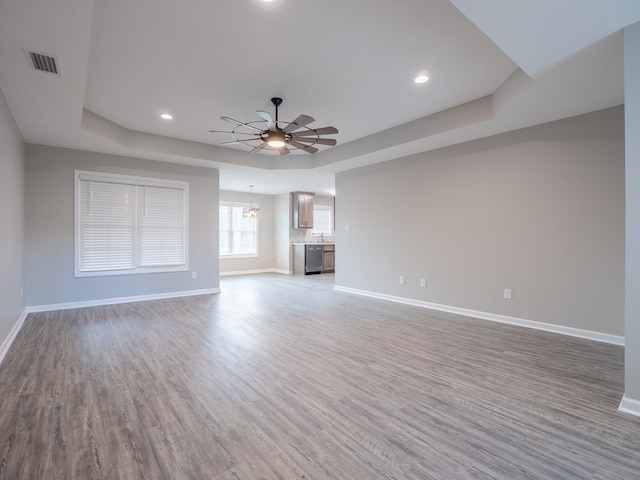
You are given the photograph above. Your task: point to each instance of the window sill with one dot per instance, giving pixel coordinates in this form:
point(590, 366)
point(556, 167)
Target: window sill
point(132, 271)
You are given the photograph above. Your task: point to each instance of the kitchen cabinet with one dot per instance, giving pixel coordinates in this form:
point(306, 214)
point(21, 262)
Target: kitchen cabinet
point(302, 205)
point(329, 258)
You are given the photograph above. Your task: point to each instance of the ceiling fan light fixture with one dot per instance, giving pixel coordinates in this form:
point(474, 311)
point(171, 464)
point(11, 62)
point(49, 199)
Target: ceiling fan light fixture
point(276, 140)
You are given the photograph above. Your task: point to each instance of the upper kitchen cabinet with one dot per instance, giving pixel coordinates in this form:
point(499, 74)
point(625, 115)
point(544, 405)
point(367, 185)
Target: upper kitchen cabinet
point(302, 203)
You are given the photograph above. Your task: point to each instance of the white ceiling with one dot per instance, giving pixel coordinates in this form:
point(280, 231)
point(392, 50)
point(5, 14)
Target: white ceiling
point(494, 65)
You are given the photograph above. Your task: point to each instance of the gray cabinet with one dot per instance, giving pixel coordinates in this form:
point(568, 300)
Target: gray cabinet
point(329, 258)
point(302, 206)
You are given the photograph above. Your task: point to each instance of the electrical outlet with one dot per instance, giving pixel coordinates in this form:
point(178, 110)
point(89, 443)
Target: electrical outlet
point(423, 282)
point(22, 293)
point(401, 280)
point(194, 275)
point(507, 294)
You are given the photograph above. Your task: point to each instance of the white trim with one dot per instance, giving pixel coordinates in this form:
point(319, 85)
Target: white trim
point(113, 301)
point(130, 179)
point(283, 272)
point(12, 335)
point(253, 272)
point(547, 327)
point(630, 406)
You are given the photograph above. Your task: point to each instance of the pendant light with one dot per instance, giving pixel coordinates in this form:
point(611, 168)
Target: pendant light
point(251, 212)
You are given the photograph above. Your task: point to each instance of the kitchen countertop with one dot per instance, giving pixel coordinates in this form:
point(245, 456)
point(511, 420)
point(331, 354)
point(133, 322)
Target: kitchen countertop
point(312, 243)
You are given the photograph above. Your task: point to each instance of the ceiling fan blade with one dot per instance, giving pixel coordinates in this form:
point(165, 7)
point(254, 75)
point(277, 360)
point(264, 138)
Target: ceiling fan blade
point(229, 119)
point(320, 141)
point(316, 131)
point(258, 148)
point(302, 146)
point(232, 142)
point(284, 151)
point(268, 119)
point(301, 121)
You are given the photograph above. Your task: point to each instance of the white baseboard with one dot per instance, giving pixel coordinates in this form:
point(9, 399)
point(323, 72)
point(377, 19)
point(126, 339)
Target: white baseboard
point(547, 327)
point(283, 272)
point(113, 301)
point(12, 335)
point(629, 405)
point(254, 272)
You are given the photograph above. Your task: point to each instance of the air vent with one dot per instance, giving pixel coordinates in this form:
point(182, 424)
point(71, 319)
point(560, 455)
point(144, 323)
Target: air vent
point(44, 63)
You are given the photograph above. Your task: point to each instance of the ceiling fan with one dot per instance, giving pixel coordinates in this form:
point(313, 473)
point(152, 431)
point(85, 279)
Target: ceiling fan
point(278, 135)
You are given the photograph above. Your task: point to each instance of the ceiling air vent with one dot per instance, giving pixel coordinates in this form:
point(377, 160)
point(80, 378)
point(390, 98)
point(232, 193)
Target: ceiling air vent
point(44, 63)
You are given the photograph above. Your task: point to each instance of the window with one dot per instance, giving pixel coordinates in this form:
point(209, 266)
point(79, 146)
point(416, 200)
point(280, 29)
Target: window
point(127, 225)
point(238, 235)
point(322, 220)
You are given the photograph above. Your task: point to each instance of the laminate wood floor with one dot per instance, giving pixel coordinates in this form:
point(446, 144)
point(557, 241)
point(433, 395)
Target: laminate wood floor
point(281, 377)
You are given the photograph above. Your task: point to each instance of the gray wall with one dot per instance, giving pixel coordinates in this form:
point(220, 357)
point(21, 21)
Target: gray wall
point(12, 220)
point(49, 232)
point(539, 211)
point(282, 226)
point(632, 125)
point(264, 261)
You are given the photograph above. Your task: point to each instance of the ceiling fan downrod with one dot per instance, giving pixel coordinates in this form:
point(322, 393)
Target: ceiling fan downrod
point(276, 102)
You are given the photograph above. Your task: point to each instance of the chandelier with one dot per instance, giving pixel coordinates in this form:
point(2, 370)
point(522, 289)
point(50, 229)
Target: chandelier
point(251, 212)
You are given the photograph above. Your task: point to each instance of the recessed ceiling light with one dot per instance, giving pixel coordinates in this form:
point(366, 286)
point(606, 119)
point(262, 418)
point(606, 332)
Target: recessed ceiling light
point(166, 116)
point(267, 1)
point(421, 79)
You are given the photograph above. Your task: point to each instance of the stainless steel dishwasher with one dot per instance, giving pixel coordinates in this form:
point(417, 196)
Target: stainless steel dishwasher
point(314, 259)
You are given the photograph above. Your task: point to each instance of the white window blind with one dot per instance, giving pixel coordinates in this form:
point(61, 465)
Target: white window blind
point(107, 221)
point(129, 224)
point(161, 226)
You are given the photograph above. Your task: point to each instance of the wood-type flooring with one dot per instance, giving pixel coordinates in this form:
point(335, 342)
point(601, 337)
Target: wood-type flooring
point(282, 377)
